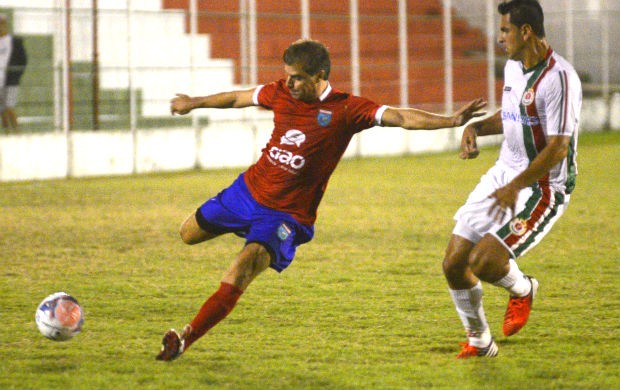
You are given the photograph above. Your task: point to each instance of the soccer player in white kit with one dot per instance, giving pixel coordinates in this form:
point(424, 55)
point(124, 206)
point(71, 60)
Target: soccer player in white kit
point(520, 198)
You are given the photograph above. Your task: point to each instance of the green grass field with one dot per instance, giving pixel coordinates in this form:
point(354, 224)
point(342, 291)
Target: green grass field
point(363, 306)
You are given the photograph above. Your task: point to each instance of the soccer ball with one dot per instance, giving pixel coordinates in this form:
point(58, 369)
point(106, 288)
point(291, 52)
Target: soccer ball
point(59, 317)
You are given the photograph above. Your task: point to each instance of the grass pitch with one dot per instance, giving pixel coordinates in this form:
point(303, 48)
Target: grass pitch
point(363, 306)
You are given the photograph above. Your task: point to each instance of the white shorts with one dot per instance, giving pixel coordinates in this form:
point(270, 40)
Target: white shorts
point(8, 97)
point(538, 208)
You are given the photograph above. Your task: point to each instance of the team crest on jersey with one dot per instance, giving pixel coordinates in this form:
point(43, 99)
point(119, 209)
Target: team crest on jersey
point(518, 226)
point(528, 97)
point(293, 137)
point(283, 232)
point(324, 117)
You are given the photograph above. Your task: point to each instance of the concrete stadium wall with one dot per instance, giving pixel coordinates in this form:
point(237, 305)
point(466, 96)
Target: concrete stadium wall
point(234, 138)
point(230, 144)
point(222, 144)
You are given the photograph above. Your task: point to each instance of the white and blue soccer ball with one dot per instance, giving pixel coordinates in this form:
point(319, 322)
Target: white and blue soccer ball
point(59, 317)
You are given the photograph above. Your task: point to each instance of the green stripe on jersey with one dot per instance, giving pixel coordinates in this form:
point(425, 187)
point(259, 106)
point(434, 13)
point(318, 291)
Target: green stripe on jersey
point(528, 132)
point(525, 214)
point(540, 229)
point(571, 161)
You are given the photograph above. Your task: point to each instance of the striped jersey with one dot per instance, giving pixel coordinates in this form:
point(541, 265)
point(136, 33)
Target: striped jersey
point(537, 103)
point(307, 142)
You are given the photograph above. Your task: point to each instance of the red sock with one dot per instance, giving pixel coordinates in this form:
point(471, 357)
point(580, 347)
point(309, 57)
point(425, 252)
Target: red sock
point(215, 309)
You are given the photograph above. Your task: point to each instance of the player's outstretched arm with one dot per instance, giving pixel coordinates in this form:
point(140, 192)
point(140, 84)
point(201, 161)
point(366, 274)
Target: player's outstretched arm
point(488, 126)
point(182, 104)
point(414, 119)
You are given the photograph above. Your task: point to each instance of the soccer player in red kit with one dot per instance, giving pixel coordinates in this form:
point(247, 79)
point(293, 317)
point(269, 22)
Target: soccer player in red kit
point(273, 204)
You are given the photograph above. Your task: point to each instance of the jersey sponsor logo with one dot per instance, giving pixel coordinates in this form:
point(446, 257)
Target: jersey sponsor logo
point(523, 119)
point(324, 117)
point(285, 157)
point(518, 226)
point(293, 137)
point(528, 97)
point(291, 162)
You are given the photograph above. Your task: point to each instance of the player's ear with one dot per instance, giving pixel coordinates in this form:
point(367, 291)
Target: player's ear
point(526, 31)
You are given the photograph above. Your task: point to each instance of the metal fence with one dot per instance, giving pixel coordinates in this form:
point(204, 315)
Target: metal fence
point(115, 64)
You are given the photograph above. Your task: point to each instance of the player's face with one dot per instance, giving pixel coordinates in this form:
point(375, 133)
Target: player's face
point(511, 38)
point(301, 85)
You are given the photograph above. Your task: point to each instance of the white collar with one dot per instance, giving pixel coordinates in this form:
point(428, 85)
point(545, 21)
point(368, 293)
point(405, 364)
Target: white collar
point(325, 93)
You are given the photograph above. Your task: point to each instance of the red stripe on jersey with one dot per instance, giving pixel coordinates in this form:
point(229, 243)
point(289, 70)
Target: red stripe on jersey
point(564, 79)
point(536, 215)
point(537, 131)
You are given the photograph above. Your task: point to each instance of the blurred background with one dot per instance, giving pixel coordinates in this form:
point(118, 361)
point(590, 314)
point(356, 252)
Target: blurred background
point(94, 96)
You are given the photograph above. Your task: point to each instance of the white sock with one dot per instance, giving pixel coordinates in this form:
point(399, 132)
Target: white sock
point(515, 282)
point(469, 307)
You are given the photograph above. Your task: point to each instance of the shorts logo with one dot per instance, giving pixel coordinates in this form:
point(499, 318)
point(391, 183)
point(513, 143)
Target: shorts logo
point(324, 117)
point(293, 137)
point(284, 232)
point(518, 226)
point(528, 97)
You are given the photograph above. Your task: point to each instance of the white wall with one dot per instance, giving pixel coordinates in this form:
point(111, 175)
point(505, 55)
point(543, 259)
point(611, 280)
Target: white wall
point(32, 157)
point(234, 138)
point(222, 144)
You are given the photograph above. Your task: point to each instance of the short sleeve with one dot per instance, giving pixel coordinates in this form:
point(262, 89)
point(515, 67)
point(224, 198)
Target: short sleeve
point(562, 103)
point(362, 113)
point(264, 95)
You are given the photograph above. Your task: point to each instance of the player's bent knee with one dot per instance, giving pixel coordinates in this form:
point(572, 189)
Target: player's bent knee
point(455, 260)
point(187, 237)
point(191, 233)
point(454, 267)
point(448, 266)
point(191, 236)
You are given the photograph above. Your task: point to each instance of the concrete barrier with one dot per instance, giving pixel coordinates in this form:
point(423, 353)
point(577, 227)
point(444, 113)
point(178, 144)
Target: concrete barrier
point(221, 144)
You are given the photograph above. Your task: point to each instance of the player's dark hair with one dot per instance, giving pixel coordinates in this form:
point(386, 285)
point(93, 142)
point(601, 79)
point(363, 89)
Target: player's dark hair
point(524, 12)
point(312, 56)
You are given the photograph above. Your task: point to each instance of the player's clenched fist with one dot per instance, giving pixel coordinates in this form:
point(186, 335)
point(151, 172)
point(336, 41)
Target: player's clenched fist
point(181, 104)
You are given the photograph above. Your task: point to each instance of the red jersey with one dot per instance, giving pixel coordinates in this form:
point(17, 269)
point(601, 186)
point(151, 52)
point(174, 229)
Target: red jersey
point(306, 144)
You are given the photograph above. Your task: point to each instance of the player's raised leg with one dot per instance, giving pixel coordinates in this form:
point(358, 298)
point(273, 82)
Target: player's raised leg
point(191, 232)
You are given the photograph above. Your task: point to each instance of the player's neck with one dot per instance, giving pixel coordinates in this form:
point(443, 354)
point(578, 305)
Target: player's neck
point(321, 87)
point(536, 54)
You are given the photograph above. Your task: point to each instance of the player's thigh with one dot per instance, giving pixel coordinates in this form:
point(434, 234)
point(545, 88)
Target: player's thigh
point(489, 259)
point(191, 233)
